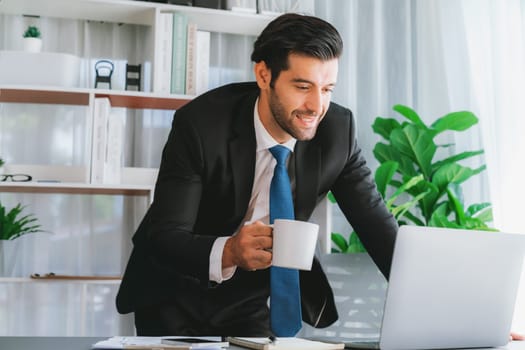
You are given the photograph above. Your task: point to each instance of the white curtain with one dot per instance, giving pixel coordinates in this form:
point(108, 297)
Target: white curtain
point(496, 50)
point(439, 56)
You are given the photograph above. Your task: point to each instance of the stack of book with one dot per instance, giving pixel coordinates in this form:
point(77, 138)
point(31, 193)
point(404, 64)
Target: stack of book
point(183, 56)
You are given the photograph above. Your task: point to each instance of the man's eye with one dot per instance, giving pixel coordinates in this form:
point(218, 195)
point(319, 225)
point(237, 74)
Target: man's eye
point(302, 87)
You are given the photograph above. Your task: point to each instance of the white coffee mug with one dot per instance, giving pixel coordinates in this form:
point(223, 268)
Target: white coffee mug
point(294, 243)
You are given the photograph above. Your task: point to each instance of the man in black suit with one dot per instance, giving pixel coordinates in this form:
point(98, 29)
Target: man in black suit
point(200, 262)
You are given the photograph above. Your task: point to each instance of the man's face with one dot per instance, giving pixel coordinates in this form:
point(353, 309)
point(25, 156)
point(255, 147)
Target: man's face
point(300, 98)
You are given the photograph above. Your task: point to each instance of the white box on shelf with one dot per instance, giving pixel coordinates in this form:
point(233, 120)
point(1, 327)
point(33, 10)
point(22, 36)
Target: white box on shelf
point(39, 68)
point(50, 173)
point(139, 176)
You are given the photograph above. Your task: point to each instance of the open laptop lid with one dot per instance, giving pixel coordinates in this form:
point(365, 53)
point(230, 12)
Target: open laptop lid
point(451, 288)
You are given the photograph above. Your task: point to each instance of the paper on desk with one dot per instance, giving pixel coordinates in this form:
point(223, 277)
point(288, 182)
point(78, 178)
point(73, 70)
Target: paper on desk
point(151, 343)
point(292, 343)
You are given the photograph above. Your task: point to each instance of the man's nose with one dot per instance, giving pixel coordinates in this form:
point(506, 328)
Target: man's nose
point(314, 102)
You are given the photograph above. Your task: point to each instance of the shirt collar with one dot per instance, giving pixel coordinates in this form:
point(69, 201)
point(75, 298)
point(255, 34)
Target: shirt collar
point(262, 136)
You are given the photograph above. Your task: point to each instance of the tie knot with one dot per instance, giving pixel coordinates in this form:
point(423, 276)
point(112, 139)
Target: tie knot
point(280, 153)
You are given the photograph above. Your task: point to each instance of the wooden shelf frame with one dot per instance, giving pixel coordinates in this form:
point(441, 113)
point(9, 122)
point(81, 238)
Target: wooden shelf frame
point(81, 97)
point(75, 188)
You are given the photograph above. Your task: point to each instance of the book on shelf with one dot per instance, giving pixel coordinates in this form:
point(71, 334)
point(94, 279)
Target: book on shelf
point(178, 59)
point(163, 52)
point(197, 60)
point(202, 67)
point(101, 111)
point(114, 146)
point(191, 59)
point(107, 142)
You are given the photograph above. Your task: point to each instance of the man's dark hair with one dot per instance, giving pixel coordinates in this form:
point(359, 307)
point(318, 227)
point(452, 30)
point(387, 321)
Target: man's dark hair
point(293, 33)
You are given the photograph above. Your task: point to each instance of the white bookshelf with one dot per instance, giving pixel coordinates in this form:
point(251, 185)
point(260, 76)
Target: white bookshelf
point(138, 12)
point(115, 11)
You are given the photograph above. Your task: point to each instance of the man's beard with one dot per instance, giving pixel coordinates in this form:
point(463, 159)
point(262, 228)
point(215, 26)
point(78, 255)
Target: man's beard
point(285, 121)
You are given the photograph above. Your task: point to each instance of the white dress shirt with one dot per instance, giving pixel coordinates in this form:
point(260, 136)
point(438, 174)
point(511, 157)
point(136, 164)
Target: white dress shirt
point(259, 205)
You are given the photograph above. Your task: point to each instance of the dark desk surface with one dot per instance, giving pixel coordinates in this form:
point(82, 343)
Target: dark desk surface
point(84, 343)
point(48, 343)
point(55, 343)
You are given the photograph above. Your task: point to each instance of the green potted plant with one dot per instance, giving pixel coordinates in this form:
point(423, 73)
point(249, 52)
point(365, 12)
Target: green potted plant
point(418, 188)
point(13, 224)
point(32, 39)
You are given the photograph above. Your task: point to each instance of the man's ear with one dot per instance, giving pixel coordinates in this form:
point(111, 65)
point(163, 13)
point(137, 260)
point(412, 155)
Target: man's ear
point(263, 75)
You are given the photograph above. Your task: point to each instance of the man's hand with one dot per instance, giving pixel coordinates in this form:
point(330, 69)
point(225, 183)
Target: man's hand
point(248, 249)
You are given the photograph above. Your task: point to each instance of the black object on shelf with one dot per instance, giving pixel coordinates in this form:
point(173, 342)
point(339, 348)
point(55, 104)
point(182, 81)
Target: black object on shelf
point(103, 71)
point(133, 76)
point(212, 4)
point(180, 2)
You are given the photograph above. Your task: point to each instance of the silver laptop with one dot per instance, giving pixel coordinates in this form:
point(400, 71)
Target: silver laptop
point(449, 288)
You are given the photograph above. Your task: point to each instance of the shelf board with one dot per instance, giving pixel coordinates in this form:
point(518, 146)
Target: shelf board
point(80, 97)
point(118, 11)
point(224, 21)
point(141, 100)
point(139, 12)
point(75, 188)
point(46, 96)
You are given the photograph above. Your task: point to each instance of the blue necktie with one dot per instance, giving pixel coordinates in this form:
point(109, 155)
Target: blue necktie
point(285, 296)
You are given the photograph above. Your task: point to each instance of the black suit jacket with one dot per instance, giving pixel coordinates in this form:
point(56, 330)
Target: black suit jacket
point(203, 189)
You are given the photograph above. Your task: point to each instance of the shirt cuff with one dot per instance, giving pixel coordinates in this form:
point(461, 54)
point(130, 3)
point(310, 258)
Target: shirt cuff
point(217, 273)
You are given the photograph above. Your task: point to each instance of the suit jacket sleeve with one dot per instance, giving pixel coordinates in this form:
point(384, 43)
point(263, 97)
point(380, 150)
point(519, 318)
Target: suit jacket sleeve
point(357, 196)
point(170, 238)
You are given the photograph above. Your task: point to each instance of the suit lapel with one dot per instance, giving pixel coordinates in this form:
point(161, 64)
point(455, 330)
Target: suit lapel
point(242, 149)
point(307, 170)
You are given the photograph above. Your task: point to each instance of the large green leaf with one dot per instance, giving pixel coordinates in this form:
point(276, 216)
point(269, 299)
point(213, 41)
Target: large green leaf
point(384, 126)
point(451, 173)
point(438, 220)
point(476, 224)
point(355, 246)
point(417, 144)
point(384, 153)
point(384, 174)
point(457, 121)
point(415, 220)
point(407, 185)
point(484, 215)
point(476, 208)
point(400, 210)
point(455, 158)
point(457, 207)
point(410, 114)
point(339, 241)
point(428, 203)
